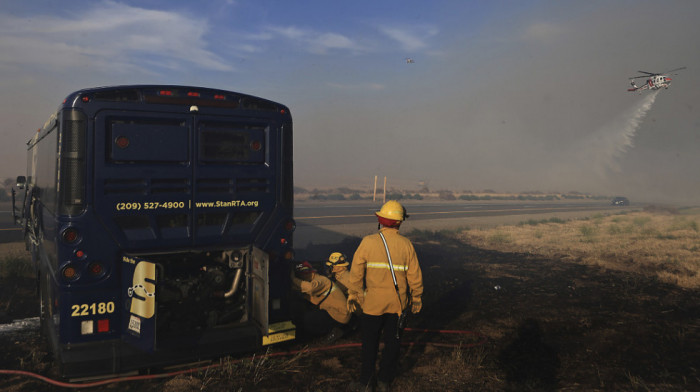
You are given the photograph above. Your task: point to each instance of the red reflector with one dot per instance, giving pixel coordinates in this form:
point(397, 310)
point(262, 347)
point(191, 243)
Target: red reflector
point(85, 99)
point(282, 111)
point(165, 92)
point(103, 325)
point(122, 142)
point(255, 145)
point(192, 94)
point(219, 96)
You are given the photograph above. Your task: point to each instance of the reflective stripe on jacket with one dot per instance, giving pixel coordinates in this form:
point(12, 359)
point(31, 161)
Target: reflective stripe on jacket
point(335, 302)
point(370, 273)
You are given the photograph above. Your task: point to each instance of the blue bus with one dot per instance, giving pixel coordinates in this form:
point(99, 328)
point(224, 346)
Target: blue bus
point(159, 220)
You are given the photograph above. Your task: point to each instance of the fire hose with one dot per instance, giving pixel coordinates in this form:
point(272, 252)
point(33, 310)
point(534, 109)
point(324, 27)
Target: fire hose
point(481, 340)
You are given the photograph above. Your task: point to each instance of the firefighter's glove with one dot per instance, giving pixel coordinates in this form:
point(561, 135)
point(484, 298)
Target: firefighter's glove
point(416, 305)
point(353, 304)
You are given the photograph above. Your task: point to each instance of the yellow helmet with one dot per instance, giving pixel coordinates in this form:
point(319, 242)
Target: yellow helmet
point(392, 210)
point(337, 258)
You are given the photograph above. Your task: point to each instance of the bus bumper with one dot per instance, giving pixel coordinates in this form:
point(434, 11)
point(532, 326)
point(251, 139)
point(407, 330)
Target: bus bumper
point(115, 357)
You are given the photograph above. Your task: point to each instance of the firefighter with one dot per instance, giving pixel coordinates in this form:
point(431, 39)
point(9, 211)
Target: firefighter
point(337, 267)
point(386, 297)
point(337, 270)
point(329, 311)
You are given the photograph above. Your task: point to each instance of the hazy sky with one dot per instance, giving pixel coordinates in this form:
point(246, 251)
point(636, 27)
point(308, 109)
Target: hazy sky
point(506, 95)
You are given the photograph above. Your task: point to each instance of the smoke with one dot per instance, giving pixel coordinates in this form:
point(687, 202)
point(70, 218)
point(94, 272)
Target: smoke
point(612, 140)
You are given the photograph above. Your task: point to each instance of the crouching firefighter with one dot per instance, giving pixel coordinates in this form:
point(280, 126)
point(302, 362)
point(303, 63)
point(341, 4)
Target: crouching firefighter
point(337, 269)
point(328, 312)
point(385, 268)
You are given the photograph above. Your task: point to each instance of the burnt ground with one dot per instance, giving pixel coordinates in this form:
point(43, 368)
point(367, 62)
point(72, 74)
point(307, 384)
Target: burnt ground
point(549, 325)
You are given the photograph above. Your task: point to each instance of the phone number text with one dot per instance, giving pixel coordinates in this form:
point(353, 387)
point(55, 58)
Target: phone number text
point(136, 206)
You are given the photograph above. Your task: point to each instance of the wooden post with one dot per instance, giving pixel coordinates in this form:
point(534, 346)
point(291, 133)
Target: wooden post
point(374, 197)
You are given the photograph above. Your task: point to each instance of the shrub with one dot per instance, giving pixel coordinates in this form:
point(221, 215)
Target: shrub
point(640, 221)
point(588, 233)
point(16, 267)
point(500, 238)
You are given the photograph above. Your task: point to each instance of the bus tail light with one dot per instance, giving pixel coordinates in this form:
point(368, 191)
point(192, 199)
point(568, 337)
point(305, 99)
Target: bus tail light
point(96, 269)
point(122, 141)
point(70, 235)
point(290, 225)
point(69, 272)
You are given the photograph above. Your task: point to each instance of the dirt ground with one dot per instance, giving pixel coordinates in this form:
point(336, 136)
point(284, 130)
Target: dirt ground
point(531, 324)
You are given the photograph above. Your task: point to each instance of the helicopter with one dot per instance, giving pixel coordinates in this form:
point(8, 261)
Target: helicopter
point(655, 81)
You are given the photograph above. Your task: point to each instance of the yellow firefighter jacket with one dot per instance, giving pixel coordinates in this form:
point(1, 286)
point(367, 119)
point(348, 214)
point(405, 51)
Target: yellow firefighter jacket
point(342, 279)
point(341, 276)
point(370, 273)
point(320, 287)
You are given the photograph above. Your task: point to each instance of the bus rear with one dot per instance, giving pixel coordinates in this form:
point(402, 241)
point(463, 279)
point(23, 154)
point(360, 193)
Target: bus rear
point(161, 226)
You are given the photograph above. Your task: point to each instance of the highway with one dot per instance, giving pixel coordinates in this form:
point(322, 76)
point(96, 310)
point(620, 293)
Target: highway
point(323, 213)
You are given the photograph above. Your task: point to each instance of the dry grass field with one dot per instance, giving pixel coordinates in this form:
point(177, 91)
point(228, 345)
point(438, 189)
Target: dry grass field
point(659, 242)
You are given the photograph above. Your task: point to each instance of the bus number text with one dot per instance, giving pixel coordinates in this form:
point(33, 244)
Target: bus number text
point(92, 309)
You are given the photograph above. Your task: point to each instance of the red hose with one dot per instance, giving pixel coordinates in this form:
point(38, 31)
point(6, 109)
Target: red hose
point(51, 381)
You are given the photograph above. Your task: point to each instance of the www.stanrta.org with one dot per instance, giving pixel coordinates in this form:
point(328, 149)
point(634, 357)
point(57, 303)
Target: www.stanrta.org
point(221, 203)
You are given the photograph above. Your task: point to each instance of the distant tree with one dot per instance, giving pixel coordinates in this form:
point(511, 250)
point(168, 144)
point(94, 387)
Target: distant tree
point(335, 196)
point(446, 195)
point(345, 190)
point(394, 196)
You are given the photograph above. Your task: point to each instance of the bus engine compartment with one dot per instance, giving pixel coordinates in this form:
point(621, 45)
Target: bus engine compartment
point(193, 292)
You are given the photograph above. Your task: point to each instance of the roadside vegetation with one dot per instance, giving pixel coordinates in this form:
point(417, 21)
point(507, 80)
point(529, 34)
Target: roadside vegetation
point(348, 193)
point(658, 242)
point(15, 262)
